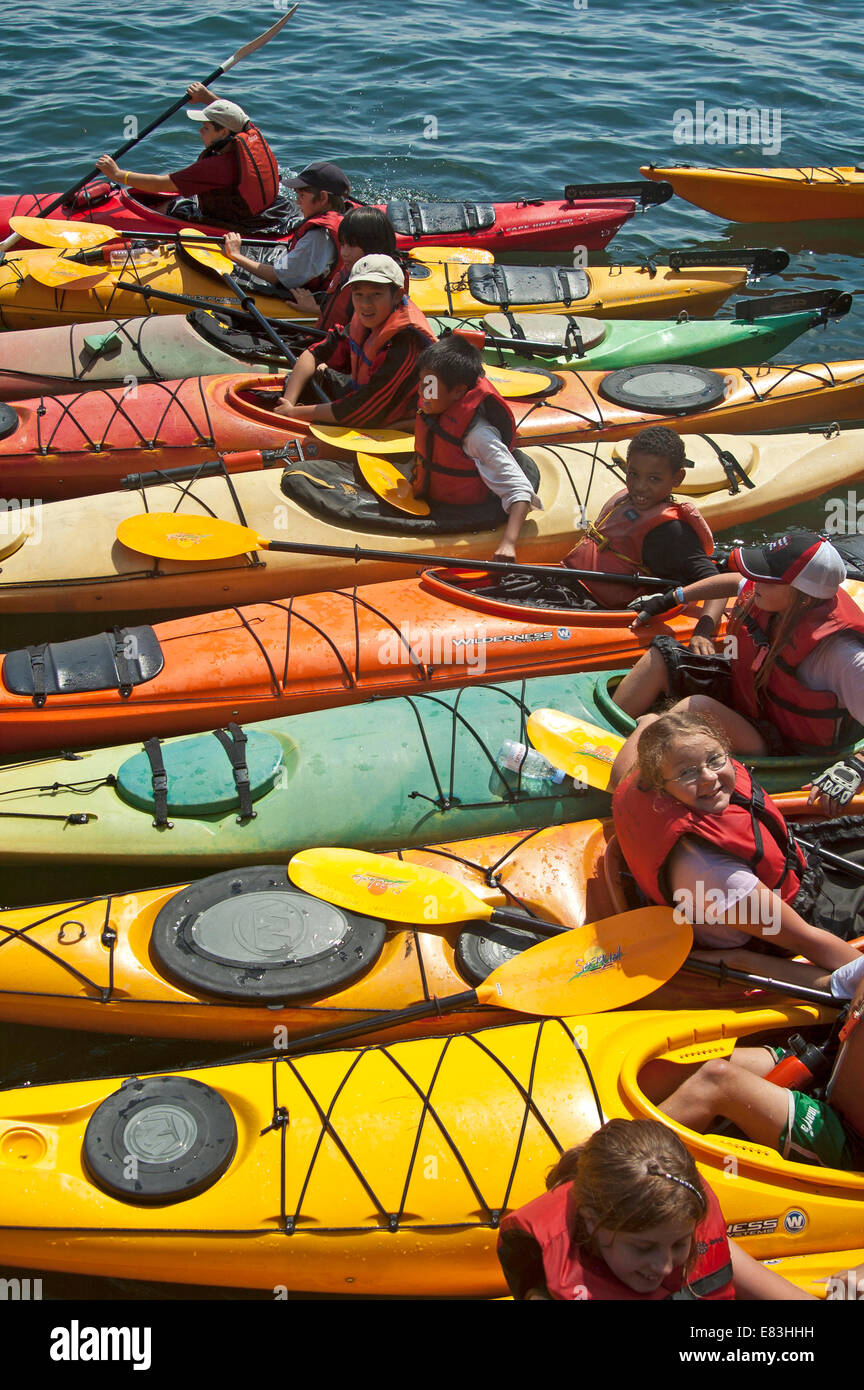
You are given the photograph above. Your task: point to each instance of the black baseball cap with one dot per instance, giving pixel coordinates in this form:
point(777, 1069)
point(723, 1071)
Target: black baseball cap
point(801, 559)
point(328, 178)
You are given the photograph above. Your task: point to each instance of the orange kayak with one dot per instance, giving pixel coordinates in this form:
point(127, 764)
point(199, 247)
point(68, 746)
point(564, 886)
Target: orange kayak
point(167, 972)
point(270, 659)
point(768, 195)
point(67, 446)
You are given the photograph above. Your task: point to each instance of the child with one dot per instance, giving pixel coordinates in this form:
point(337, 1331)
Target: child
point(627, 1216)
point(463, 436)
point(698, 833)
point(799, 1126)
point(310, 256)
point(643, 528)
point(795, 679)
point(385, 338)
point(362, 232)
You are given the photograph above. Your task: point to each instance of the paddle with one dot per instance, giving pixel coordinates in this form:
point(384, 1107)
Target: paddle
point(155, 533)
point(67, 236)
point(56, 273)
point(723, 972)
point(586, 752)
point(391, 485)
point(220, 265)
point(229, 63)
point(364, 441)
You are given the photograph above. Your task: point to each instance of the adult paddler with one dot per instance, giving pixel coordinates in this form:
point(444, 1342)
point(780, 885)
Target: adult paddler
point(234, 180)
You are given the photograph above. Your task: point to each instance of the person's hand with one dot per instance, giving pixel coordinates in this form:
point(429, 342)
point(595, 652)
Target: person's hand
point(109, 167)
point(305, 300)
point(296, 412)
point(505, 550)
point(701, 645)
point(198, 93)
point(845, 1284)
point(836, 786)
point(231, 245)
point(647, 609)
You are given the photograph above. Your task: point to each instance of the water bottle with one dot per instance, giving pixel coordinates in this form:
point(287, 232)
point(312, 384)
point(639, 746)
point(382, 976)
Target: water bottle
point(539, 777)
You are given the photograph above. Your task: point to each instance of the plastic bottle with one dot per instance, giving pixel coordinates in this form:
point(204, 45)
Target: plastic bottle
point(802, 1064)
point(538, 774)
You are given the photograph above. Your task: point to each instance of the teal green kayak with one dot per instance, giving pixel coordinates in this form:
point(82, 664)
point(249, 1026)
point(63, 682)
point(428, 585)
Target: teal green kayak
point(409, 770)
point(569, 342)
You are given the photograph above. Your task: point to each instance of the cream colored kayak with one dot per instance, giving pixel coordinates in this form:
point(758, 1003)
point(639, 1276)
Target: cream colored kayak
point(72, 562)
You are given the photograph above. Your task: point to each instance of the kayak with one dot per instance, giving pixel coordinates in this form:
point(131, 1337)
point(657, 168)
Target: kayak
point(68, 446)
point(165, 962)
point(768, 195)
point(410, 770)
point(316, 651)
point(50, 361)
point(446, 287)
point(381, 1171)
point(531, 224)
point(72, 561)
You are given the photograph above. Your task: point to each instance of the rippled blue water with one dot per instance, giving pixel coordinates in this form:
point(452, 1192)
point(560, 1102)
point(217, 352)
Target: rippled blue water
point(521, 97)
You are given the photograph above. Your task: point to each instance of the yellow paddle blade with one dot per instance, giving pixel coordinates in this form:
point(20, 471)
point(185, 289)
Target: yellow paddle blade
point(391, 485)
point(16, 542)
point(593, 968)
point(584, 751)
point(73, 236)
point(208, 256)
point(364, 441)
point(380, 887)
point(47, 268)
point(511, 383)
point(461, 255)
point(192, 538)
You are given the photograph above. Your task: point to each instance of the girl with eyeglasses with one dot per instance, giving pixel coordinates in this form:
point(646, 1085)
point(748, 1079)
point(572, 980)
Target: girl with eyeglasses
point(700, 834)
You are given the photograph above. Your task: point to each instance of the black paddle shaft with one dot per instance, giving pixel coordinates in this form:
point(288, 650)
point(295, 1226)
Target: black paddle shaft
point(560, 572)
point(724, 972)
point(248, 303)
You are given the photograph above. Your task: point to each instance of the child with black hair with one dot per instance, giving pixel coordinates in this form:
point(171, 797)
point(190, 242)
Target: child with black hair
point(362, 232)
point(463, 437)
point(645, 529)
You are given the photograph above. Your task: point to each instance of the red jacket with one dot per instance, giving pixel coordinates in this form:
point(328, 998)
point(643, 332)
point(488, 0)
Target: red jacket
point(613, 543)
point(329, 222)
point(443, 471)
point(649, 825)
point(257, 178)
point(368, 348)
point(809, 720)
point(572, 1273)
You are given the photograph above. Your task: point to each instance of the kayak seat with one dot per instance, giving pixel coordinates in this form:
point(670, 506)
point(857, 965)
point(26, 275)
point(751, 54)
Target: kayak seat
point(223, 332)
point(617, 880)
point(558, 333)
point(197, 776)
point(439, 219)
point(335, 490)
point(117, 660)
point(503, 285)
point(249, 934)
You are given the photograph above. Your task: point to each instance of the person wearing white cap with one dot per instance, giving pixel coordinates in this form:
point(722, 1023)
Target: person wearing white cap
point(232, 183)
point(794, 680)
point(381, 347)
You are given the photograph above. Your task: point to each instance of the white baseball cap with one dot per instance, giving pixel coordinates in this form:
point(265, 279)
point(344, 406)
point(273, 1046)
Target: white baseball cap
point(801, 559)
point(220, 112)
point(379, 270)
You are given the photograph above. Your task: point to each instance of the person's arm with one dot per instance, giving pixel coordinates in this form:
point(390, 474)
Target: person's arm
point(392, 388)
point(503, 476)
point(674, 550)
point(148, 183)
point(754, 1281)
point(718, 586)
point(522, 1262)
point(837, 665)
point(312, 258)
point(301, 374)
point(200, 95)
point(231, 245)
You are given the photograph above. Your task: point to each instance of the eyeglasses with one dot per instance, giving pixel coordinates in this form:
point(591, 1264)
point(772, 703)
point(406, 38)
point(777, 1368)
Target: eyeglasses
point(690, 776)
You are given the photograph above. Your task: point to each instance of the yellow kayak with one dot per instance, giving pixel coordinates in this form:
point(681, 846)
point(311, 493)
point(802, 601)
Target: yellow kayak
point(768, 195)
point(378, 1171)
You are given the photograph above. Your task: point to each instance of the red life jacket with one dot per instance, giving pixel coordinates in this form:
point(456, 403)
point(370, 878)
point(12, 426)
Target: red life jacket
point(650, 823)
point(336, 300)
point(443, 472)
point(809, 720)
point(571, 1272)
point(257, 179)
point(368, 347)
point(613, 543)
point(329, 221)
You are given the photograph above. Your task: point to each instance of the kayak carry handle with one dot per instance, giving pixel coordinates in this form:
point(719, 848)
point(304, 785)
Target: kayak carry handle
point(645, 192)
point(832, 303)
point(760, 260)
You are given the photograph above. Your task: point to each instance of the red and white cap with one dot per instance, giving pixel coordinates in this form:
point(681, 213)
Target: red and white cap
point(800, 558)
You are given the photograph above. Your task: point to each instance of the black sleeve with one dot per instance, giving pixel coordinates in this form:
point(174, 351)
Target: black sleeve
point(673, 551)
point(522, 1262)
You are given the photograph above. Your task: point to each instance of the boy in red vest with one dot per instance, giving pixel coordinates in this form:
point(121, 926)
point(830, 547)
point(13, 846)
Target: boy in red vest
point(463, 435)
point(233, 181)
point(644, 529)
point(382, 347)
point(310, 256)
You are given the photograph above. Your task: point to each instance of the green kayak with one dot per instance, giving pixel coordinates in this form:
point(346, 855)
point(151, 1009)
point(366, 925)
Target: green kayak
point(402, 771)
point(569, 342)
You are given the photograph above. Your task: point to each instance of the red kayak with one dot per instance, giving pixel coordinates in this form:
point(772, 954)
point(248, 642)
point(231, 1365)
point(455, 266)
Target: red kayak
point(590, 216)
